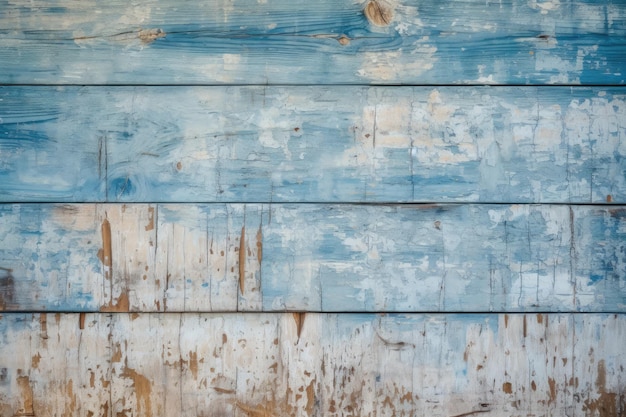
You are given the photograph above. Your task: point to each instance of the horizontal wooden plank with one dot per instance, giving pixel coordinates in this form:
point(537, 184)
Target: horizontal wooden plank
point(310, 257)
point(313, 144)
point(304, 42)
point(312, 364)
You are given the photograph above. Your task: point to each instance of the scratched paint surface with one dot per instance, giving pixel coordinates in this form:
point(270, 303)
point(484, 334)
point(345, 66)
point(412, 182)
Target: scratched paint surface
point(216, 208)
point(313, 144)
point(252, 42)
point(317, 364)
point(252, 257)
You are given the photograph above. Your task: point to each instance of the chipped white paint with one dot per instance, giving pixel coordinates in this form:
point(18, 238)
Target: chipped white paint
point(312, 365)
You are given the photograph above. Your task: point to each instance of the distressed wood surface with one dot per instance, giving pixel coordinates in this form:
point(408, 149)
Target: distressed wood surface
point(304, 42)
point(281, 257)
point(313, 144)
point(312, 364)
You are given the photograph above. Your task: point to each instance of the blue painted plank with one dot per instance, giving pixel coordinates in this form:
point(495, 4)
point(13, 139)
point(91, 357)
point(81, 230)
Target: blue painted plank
point(44, 155)
point(329, 364)
point(303, 42)
point(312, 257)
point(444, 258)
point(313, 144)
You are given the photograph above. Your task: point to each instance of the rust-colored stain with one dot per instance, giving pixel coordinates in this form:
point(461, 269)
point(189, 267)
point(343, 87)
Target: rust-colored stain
point(193, 364)
point(299, 319)
point(43, 325)
point(34, 361)
point(533, 386)
point(259, 245)
point(607, 403)
point(540, 318)
point(223, 390)
point(105, 253)
point(609, 198)
point(150, 225)
point(242, 259)
point(143, 391)
point(81, 321)
point(507, 387)
point(120, 305)
point(257, 411)
point(310, 397)
point(70, 403)
point(506, 320)
point(552, 385)
point(378, 12)
point(117, 354)
point(105, 408)
point(26, 394)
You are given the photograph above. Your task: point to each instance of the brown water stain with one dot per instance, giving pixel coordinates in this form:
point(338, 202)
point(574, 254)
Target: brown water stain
point(193, 364)
point(310, 397)
point(70, 403)
point(117, 354)
point(552, 385)
point(143, 390)
point(119, 305)
point(43, 325)
point(150, 225)
point(299, 320)
point(34, 361)
point(105, 253)
point(259, 245)
point(242, 259)
point(26, 396)
point(606, 404)
point(507, 387)
point(223, 390)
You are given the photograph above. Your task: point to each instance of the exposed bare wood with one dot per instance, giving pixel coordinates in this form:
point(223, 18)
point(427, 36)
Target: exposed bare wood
point(340, 364)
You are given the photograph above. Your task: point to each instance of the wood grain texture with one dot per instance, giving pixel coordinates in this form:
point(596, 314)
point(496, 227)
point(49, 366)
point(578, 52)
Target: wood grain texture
point(339, 365)
point(313, 144)
point(304, 42)
point(317, 257)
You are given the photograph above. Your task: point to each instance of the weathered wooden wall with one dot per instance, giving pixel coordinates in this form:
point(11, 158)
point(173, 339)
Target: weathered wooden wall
point(327, 208)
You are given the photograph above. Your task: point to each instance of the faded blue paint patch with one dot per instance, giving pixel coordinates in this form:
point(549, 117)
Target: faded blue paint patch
point(121, 187)
point(50, 267)
point(36, 145)
point(601, 257)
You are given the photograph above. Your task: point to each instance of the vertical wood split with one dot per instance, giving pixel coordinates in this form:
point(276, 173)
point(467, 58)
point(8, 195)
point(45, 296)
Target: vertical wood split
point(299, 320)
point(242, 259)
